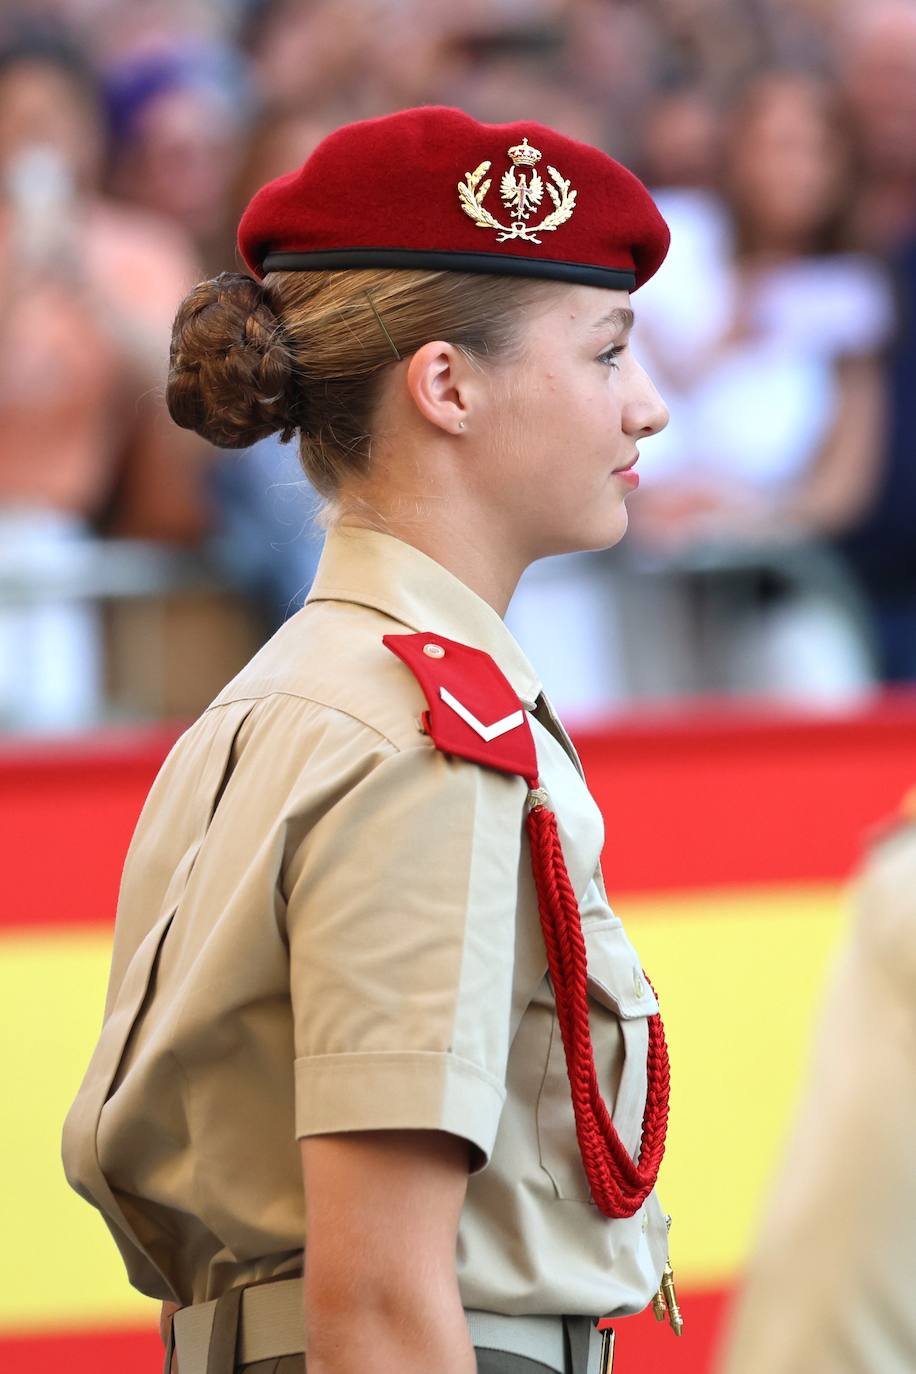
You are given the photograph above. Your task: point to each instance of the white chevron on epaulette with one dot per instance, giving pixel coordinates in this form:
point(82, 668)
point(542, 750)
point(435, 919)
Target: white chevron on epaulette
point(486, 732)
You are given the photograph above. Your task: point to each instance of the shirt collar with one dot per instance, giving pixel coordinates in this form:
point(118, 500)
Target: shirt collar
point(375, 569)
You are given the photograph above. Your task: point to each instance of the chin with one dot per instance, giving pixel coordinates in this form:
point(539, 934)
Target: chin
point(602, 531)
point(610, 531)
point(621, 525)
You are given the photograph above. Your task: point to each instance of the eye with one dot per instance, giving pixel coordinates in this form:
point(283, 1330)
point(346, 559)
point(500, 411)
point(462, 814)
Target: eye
point(609, 356)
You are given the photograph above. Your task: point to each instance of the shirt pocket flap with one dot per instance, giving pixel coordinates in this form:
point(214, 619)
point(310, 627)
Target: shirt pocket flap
point(615, 976)
point(132, 997)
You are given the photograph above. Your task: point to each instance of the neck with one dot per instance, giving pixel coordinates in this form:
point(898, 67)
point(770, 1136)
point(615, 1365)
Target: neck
point(470, 551)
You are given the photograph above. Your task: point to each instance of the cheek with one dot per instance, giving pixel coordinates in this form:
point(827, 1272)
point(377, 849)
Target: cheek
point(593, 416)
point(581, 404)
point(567, 417)
point(523, 420)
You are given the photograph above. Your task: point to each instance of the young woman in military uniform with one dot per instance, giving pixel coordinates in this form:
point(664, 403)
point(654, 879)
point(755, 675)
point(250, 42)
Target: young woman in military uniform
point(369, 1010)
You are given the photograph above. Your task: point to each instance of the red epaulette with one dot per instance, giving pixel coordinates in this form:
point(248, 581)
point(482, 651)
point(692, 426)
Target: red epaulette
point(474, 713)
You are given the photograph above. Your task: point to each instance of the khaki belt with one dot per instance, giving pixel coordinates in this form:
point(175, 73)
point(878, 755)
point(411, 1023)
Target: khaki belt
point(270, 1324)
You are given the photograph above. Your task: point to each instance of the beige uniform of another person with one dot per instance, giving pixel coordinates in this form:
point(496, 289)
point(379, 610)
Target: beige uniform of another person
point(831, 1285)
point(327, 925)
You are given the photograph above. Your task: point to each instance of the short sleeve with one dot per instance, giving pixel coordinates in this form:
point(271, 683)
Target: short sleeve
point(401, 915)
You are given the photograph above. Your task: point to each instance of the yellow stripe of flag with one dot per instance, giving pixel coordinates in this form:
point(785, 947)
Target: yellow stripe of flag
point(738, 974)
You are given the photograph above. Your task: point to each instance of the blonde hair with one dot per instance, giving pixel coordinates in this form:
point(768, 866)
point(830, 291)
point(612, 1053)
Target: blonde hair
point(308, 351)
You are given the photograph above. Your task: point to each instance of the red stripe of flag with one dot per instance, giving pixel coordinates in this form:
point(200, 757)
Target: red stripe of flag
point(694, 801)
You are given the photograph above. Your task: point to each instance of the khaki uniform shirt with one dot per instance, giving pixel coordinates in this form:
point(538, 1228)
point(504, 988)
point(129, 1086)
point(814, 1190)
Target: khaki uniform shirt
point(830, 1285)
point(325, 925)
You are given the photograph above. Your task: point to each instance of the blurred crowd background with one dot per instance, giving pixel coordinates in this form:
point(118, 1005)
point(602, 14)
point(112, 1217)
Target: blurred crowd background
point(772, 550)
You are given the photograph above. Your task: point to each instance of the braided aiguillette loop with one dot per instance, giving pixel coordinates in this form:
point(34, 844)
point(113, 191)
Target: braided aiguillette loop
point(618, 1185)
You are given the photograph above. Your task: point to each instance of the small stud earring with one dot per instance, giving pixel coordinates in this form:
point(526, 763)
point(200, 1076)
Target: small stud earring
point(461, 424)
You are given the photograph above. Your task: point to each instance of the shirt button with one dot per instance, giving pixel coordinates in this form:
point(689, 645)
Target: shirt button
point(639, 986)
point(434, 651)
point(644, 1223)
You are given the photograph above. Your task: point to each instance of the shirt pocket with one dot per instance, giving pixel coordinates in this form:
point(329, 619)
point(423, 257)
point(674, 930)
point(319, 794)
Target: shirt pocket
point(620, 1003)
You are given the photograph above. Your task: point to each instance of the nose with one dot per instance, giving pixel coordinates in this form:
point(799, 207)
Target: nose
point(645, 412)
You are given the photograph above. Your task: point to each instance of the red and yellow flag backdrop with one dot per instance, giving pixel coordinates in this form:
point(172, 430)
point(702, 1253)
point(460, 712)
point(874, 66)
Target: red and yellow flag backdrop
point(729, 843)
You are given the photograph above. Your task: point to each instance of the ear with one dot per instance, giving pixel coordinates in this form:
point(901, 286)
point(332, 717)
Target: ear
point(442, 385)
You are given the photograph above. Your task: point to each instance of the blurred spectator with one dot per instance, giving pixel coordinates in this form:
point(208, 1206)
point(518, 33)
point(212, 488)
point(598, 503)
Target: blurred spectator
point(88, 294)
point(883, 547)
point(748, 323)
point(110, 30)
point(681, 138)
point(878, 61)
point(501, 90)
point(178, 119)
point(763, 330)
point(279, 140)
point(610, 60)
point(353, 61)
point(766, 336)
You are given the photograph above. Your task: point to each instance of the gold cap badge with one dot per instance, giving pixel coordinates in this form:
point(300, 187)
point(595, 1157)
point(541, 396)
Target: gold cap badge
point(521, 196)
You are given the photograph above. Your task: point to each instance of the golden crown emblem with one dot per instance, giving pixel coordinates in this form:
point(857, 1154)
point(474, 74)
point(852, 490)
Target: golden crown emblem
point(523, 155)
point(521, 197)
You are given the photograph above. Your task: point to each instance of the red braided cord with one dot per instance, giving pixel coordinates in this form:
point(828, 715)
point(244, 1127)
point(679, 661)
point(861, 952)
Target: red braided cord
point(618, 1185)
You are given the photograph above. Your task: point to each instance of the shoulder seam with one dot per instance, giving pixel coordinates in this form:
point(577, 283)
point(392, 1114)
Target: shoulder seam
point(313, 701)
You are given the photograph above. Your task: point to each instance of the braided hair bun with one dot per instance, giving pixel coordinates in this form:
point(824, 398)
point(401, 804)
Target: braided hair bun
point(232, 373)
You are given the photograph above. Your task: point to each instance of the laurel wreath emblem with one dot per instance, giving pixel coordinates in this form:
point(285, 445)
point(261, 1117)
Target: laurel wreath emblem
point(519, 197)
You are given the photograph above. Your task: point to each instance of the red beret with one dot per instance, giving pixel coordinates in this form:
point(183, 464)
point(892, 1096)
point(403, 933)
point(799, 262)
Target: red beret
point(433, 188)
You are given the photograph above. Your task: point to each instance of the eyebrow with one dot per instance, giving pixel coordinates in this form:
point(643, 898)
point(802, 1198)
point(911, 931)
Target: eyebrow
point(620, 318)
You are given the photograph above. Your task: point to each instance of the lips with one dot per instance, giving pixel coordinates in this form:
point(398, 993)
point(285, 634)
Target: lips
point(627, 466)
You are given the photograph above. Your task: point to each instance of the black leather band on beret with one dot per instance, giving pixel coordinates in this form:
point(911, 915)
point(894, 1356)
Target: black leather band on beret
point(502, 264)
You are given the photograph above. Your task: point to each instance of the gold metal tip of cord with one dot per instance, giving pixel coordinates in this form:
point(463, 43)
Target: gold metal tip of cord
point(675, 1320)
